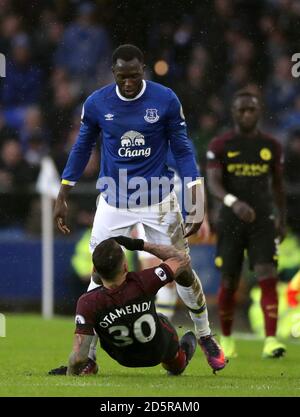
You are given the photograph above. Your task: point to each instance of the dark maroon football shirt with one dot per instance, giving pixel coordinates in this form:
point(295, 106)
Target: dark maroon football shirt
point(247, 165)
point(125, 318)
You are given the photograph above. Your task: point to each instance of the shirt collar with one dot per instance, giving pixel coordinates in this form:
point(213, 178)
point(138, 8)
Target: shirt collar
point(134, 98)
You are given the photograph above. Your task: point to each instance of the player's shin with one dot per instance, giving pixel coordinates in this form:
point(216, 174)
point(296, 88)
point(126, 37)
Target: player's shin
point(226, 302)
point(269, 304)
point(194, 298)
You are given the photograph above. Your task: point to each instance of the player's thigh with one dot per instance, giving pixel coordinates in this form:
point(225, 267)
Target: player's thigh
point(109, 222)
point(166, 226)
point(169, 233)
point(262, 246)
point(265, 270)
point(230, 246)
point(146, 259)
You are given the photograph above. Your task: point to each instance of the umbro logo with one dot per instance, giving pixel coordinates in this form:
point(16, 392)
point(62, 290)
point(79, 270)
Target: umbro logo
point(109, 116)
point(232, 154)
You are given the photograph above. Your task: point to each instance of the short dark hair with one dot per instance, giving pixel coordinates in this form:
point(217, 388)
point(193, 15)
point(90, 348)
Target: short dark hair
point(107, 259)
point(127, 52)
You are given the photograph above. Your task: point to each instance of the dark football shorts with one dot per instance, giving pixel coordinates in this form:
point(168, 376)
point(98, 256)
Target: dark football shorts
point(236, 236)
point(164, 350)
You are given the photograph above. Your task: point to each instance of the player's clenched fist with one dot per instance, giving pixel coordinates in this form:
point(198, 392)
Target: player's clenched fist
point(243, 211)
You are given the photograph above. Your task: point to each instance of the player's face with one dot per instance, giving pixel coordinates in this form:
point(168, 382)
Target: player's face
point(129, 76)
point(246, 113)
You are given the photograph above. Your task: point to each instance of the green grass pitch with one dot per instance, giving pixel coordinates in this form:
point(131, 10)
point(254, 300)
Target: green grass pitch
point(32, 346)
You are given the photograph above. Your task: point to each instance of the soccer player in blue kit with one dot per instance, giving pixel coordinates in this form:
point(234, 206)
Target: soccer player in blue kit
point(138, 121)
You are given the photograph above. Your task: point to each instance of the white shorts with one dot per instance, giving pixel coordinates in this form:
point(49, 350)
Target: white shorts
point(162, 223)
point(139, 229)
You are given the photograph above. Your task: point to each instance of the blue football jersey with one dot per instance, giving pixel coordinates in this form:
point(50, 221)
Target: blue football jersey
point(136, 135)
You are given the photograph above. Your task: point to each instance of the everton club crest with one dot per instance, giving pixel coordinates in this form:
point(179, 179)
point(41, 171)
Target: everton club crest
point(151, 116)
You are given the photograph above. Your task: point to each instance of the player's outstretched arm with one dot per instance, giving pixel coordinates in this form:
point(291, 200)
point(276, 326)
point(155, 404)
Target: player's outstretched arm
point(78, 160)
point(176, 260)
point(179, 264)
point(162, 252)
point(79, 355)
point(61, 209)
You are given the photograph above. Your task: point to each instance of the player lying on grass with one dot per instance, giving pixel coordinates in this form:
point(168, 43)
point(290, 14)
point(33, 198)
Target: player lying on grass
point(122, 312)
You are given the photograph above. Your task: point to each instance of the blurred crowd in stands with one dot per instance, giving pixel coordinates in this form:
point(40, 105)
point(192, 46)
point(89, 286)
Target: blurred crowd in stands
point(57, 52)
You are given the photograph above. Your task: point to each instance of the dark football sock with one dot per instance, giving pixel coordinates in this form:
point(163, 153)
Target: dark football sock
point(177, 364)
point(226, 301)
point(269, 304)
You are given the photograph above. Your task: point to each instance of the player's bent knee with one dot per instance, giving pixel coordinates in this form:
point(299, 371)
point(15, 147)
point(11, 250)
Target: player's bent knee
point(263, 271)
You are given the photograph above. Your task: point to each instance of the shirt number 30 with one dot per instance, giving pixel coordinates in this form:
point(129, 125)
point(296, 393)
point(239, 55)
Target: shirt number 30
point(122, 339)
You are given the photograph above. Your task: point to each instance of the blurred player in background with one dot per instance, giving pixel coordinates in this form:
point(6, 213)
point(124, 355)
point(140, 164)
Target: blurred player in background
point(245, 173)
point(122, 312)
point(288, 324)
point(139, 120)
